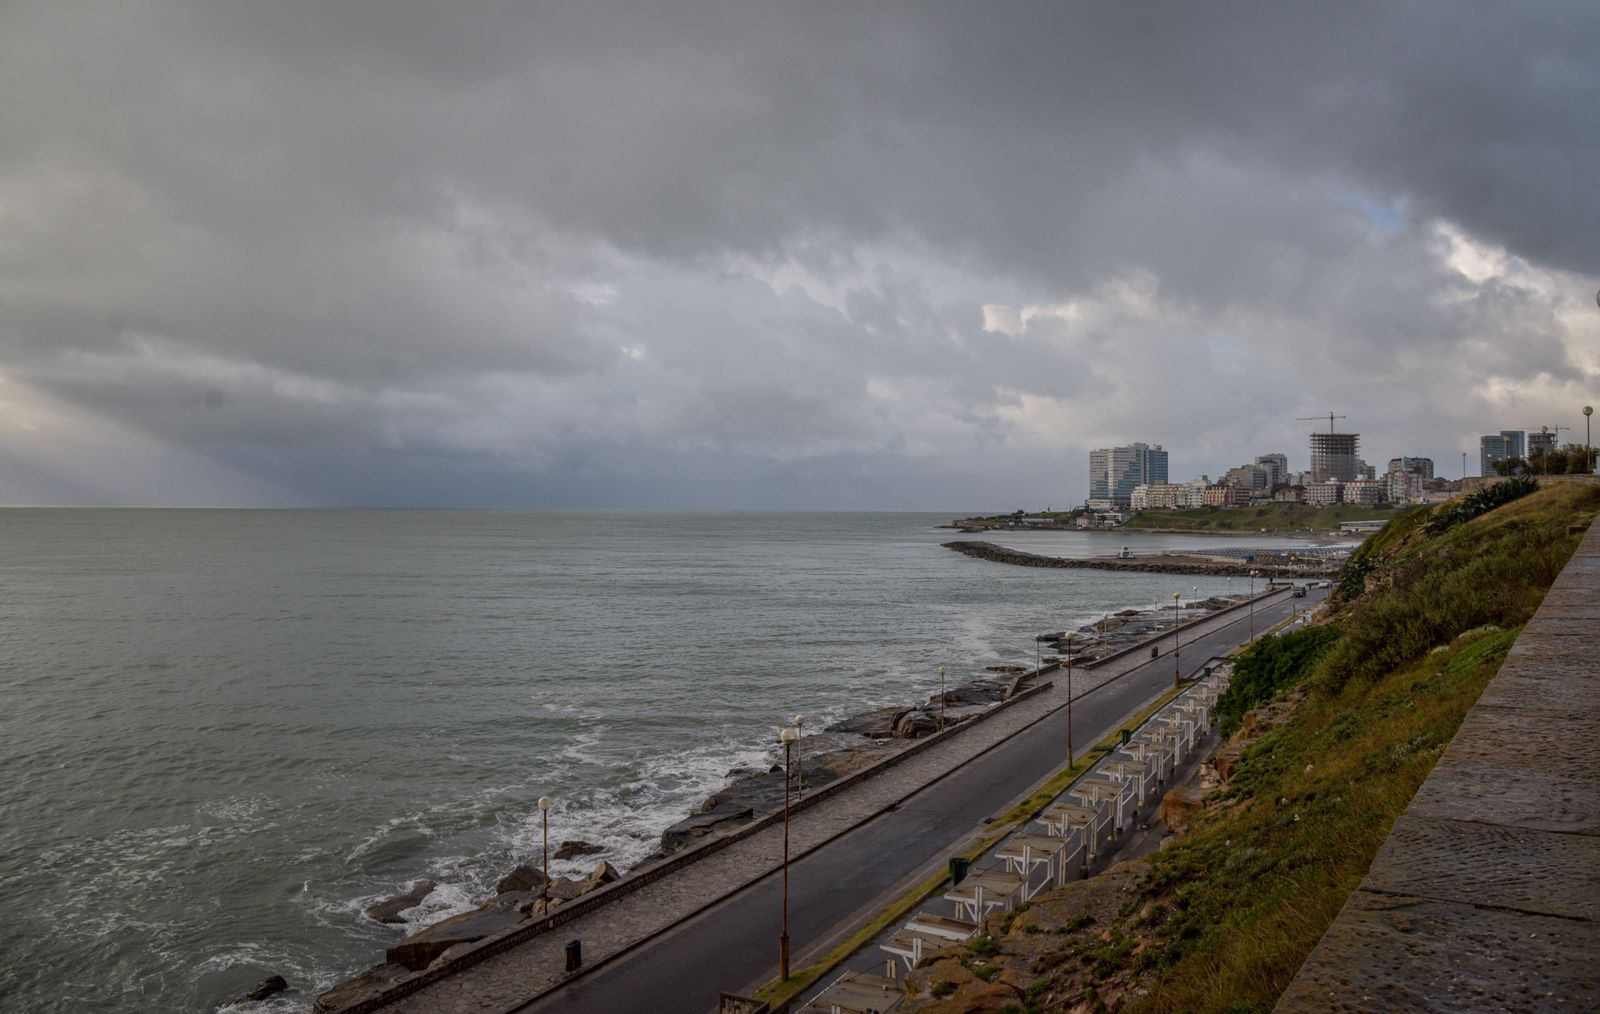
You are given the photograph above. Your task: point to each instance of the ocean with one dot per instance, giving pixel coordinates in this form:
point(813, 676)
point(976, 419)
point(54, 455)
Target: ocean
point(224, 733)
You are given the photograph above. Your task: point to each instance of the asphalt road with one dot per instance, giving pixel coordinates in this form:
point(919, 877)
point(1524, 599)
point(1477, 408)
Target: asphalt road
point(735, 943)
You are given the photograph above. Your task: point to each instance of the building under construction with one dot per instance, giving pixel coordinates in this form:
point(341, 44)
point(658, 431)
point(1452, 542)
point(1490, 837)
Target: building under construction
point(1333, 456)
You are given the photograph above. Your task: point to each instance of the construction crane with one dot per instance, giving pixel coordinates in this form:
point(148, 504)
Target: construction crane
point(1318, 418)
point(1550, 445)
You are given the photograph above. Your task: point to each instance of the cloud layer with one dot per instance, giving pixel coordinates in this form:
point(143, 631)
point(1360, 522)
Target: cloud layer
point(819, 255)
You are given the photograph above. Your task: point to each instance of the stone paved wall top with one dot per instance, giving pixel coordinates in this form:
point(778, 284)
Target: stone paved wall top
point(1486, 895)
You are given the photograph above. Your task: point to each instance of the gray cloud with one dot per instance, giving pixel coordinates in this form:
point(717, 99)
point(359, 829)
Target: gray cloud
point(642, 253)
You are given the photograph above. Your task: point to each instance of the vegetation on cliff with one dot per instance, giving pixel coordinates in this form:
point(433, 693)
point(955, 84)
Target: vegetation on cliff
point(1221, 918)
point(1274, 517)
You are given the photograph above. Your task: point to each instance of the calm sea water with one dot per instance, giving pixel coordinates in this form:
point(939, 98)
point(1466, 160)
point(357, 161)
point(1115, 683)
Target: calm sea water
point(225, 733)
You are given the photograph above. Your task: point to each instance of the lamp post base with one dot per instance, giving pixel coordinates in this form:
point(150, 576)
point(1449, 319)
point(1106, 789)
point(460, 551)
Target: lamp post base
point(783, 958)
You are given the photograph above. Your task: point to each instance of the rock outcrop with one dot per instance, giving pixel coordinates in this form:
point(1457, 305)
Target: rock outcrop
point(693, 829)
point(418, 951)
point(388, 910)
point(574, 849)
point(270, 986)
point(363, 987)
point(523, 878)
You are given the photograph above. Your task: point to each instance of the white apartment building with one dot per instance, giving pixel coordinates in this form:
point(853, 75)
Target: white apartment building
point(1366, 492)
point(1324, 493)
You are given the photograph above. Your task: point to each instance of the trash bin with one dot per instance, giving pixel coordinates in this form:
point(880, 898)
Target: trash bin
point(958, 869)
point(574, 955)
point(1155, 651)
point(1208, 670)
point(1127, 736)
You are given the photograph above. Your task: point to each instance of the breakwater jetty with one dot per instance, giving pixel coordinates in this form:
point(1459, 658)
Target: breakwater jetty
point(1167, 563)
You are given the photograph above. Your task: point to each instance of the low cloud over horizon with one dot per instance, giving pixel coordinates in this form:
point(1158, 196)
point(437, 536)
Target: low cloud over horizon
point(756, 255)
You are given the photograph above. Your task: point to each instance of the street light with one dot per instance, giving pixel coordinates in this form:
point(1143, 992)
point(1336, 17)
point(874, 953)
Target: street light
point(1588, 461)
point(941, 698)
point(787, 737)
point(1066, 649)
point(545, 802)
point(1252, 605)
point(1177, 676)
point(799, 756)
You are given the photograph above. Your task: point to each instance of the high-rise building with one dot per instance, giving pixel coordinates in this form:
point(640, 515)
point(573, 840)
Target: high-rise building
point(1494, 447)
point(1333, 456)
point(1115, 471)
point(1422, 465)
point(1277, 466)
point(1541, 442)
point(1250, 477)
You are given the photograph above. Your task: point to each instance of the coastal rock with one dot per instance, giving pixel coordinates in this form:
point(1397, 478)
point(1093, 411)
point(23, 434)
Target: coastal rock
point(269, 986)
point(363, 987)
point(449, 955)
point(877, 724)
point(603, 874)
point(510, 901)
point(915, 724)
point(976, 693)
point(574, 849)
point(690, 830)
point(523, 878)
point(419, 951)
point(535, 907)
point(388, 910)
point(565, 888)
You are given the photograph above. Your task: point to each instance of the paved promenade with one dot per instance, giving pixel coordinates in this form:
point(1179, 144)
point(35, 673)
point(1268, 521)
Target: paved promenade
point(504, 981)
point(1486, 895)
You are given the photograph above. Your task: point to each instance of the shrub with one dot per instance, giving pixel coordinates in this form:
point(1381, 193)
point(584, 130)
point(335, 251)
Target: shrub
point(1463, 509)
point(1268, 666)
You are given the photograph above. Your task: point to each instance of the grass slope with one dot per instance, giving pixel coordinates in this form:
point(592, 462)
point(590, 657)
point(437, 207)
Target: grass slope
point(1245, 898)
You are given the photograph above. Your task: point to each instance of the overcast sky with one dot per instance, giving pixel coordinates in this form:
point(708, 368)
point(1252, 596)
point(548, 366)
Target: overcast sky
point(753, 254)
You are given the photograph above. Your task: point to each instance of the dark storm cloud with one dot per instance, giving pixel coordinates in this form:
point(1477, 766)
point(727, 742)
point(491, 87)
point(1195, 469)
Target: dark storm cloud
point(497, 239)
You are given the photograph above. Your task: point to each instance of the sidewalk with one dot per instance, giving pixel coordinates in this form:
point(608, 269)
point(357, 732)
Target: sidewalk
point(508, 979)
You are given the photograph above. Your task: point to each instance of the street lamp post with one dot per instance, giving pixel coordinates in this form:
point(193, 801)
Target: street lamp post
point(1066, 649)
point(788, 737)
point(1177, 674)
point(799, 756)
point(545, 802)
point(941, 698)
point(1588, 460)
point(1252, 605)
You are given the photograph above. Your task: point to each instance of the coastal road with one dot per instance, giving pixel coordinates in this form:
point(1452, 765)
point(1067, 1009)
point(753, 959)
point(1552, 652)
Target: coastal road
point(734, 944)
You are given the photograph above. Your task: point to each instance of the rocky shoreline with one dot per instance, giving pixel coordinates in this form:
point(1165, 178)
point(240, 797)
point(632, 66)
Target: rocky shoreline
point(1145, 565)
point(839, 750)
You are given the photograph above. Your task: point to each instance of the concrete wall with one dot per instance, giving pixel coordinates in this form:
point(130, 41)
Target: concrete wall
point(1486, 895)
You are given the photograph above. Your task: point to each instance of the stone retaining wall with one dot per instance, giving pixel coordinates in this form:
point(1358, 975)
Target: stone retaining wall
point(1486, 895)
